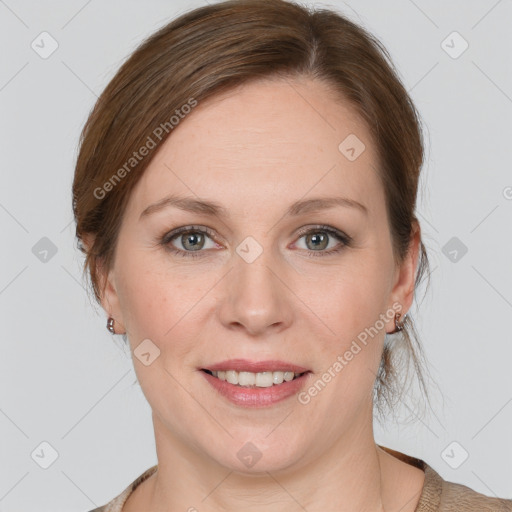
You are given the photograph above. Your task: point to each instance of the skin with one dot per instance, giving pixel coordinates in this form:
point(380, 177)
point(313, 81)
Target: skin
point(256, 150)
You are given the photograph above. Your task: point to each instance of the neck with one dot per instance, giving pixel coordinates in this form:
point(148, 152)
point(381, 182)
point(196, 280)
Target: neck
point(347, 476)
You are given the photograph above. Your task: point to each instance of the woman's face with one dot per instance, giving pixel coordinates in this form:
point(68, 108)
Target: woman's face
point(264, 278)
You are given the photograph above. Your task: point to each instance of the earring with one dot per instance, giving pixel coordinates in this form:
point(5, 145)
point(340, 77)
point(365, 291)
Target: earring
point(110, 325)
point(398, 325)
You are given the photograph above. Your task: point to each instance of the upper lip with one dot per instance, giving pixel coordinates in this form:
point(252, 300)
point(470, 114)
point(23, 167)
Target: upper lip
point(244, 365)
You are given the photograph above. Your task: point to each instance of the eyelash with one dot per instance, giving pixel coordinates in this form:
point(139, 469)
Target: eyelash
point(166, 240)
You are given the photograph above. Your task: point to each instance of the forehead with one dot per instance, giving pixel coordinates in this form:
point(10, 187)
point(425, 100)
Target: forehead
point(266, 140)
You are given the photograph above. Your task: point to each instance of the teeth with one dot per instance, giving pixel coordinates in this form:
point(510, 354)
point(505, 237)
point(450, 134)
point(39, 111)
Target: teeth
point(260, 380)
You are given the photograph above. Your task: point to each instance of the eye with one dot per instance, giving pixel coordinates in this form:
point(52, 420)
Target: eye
point(318, 238)
point(191, 239)
point(188, 241)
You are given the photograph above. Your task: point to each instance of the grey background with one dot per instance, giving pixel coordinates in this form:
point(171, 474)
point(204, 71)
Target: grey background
point(66, 381)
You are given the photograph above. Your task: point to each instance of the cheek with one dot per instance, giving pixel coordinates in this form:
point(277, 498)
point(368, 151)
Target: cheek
point(151, 305)
point(352, 309)
point(148, 298)
point(162, 304)
point(357, 295)
point(351, 358)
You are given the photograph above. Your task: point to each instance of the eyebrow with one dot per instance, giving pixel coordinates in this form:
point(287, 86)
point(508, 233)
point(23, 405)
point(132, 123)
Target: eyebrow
point(212, 208)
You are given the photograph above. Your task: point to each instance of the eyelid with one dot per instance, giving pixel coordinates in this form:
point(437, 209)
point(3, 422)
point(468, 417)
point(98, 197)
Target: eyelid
point(329, 229)
point(173, 233)
point(344, 239)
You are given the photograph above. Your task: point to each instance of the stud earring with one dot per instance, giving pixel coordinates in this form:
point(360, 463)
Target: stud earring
point(398, 325)
point(110, 325)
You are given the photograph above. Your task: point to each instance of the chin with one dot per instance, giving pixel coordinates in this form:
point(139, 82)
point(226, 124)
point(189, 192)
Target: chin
point(255, 455)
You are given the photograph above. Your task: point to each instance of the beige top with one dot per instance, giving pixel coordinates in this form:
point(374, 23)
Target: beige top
point(437, 495)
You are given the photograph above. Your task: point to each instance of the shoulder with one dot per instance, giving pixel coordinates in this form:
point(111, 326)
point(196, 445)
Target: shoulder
point(116, 505)
point(440, 495)
point(460, 497)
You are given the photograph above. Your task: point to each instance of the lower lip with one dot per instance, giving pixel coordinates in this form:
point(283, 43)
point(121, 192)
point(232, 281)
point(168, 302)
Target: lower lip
point(257, 397)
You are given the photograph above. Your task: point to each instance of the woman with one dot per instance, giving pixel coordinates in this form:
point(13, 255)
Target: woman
point(245, 195)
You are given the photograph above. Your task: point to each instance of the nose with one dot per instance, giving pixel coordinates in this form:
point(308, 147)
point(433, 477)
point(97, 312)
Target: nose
point(256, 298)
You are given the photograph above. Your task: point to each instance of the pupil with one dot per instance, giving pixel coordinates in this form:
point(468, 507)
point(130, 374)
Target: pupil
point(192, 239)
point(318, 238)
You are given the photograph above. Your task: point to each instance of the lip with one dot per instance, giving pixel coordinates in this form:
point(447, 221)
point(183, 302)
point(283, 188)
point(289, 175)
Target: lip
point(245, 365)
point(254, 397)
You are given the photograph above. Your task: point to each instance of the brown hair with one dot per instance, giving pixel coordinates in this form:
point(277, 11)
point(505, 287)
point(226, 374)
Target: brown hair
point(213, 49)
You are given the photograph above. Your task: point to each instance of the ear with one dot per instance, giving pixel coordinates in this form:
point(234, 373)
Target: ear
point(106, 284)
point(405, 276)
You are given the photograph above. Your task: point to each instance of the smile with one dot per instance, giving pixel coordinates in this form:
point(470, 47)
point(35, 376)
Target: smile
point(255, 390)
point(260, 380)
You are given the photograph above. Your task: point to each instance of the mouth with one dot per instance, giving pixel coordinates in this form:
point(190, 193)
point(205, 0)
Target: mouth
point(263, 379)
point(256, 384)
